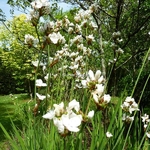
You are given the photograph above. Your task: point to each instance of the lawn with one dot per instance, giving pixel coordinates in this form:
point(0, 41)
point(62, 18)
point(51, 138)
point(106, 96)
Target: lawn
point(8, 112)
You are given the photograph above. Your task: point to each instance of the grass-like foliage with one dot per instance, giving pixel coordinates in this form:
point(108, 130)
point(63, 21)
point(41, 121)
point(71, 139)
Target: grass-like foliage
point(71, 108)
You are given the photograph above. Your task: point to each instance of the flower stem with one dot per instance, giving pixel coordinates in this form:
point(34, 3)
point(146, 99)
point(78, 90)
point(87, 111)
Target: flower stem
point(88, 105)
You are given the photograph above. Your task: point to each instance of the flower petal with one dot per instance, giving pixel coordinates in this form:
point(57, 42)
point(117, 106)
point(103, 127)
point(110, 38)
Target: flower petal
point(91, 114)
point(91, 75)
point(97, 75)
point(49, 115)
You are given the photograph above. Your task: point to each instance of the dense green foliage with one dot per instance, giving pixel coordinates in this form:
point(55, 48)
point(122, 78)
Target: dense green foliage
point(16, 57)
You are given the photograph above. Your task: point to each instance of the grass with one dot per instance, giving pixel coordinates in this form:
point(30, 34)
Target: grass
point(8, 112)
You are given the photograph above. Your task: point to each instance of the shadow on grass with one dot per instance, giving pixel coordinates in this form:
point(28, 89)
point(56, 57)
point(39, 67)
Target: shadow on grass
point(8, 114)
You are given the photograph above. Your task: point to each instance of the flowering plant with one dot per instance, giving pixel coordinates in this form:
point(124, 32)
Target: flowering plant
point(69, 119)
point(66, 48)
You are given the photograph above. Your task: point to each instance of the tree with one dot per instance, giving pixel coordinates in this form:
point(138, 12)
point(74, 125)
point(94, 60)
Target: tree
point(15, 56)
point(122, 25)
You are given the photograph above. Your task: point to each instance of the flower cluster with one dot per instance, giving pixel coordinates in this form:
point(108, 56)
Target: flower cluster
point(94, 82)
point(146, 120)
point(30, 40)
point(115, 45)
point(40, 8)
point(73, 51)
point(67, 119)
point(129, 106)
point(38, 4)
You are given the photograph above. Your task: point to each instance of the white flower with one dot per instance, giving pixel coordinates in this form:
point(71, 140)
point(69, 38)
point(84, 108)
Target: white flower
point(91, 75)
point(145, 126)
point(72, 121)
point(77, 39)
point(73, 105)
point(66, 22)
point(33, 15)
point(97, 94)
point(99, 89)
point(84, 83)
point(97, 76)
point(66, 119)
point(124, 117)
point(49, 115)
point(40, 97)
point(116, 34)
point(84, 14)
point(84, 23)
point(96, 79)
point(108, 134)
point(129, 99)
point(93, 8)
point(148, 134)
point(46, 77)
point(47, 27)
point(96, 98)
point(36, 63)
point(93, 25)
point(127, 118)
point(90, 114)
point(59, 124)
point(37, 4)
point(63, 68)
point(120, 51)
point(133, 107)
point(145, 118)
point(74, 66)
point(90, 38)
point(70, 30)
point(77, 18)
point(73, 54)
point(39, 83)
point(30, 40)
point(129, 105)
point(56, 38)
point(125, 106)
point(78, 29)
point(107, 98)
point(78, 59)
point(59, 109)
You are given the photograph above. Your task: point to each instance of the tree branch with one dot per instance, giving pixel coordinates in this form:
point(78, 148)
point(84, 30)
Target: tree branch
point(135, 32)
